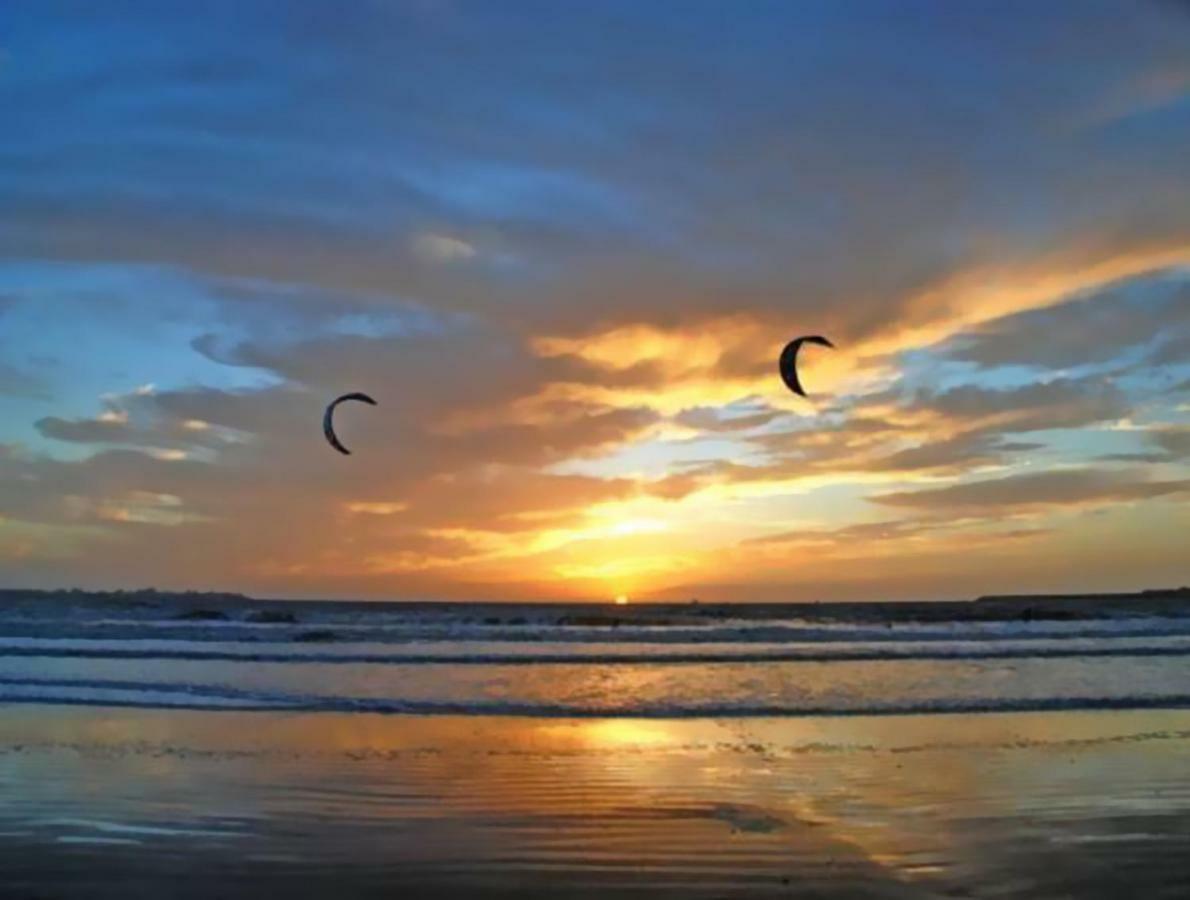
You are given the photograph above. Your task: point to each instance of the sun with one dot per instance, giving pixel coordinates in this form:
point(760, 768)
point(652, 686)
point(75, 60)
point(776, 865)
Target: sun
point(621, 600)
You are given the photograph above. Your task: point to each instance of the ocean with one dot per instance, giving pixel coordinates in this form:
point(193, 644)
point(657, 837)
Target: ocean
point(567, 661)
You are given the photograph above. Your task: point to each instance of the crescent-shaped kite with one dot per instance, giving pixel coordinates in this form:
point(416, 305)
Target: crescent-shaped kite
point(788, 362)
point(328, 419)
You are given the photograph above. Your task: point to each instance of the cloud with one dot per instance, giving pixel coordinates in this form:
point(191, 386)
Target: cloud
point(440, 248)
point(150, 430)
point(891, 531)
point(1063, 403)
point(1042, 489)
point(955, 430)
point(86, 430)
point(710, 419)
point(1088, 330)
point(963, 452)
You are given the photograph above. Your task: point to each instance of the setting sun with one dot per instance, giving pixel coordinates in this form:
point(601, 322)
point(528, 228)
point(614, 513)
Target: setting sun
point(621, 600)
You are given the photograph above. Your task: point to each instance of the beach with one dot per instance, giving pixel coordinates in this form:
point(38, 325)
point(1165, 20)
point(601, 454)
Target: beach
point(131, 803)
point(185, 747)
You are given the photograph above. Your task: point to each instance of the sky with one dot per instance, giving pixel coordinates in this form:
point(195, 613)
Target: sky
point(562, 245)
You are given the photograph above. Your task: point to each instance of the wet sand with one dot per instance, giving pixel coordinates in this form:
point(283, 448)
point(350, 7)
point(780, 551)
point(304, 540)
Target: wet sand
point(150, 803)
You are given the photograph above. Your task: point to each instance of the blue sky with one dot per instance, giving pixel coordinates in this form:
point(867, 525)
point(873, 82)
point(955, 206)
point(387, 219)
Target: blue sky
point(563, 247)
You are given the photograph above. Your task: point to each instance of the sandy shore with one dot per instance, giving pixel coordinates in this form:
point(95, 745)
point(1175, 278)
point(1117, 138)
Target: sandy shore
point(126, 803)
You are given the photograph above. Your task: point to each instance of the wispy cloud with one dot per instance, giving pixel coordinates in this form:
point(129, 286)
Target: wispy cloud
point(440, 248)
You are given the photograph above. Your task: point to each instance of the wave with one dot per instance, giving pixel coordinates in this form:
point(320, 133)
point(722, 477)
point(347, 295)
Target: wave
point(211, 697)
point(720, 633)
point(659, 656)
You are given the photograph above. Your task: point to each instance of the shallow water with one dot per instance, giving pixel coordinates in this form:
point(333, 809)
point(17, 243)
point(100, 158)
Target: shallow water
point(190, 803)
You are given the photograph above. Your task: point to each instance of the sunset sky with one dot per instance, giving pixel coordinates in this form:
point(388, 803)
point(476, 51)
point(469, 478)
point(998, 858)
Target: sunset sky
point(563, 245)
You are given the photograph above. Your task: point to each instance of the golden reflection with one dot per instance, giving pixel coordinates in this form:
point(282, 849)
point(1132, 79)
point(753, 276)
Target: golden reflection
point(618, 734)
point(899, 799)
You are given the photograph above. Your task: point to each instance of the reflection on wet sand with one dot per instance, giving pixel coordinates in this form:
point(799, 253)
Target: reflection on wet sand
point(102, 802)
